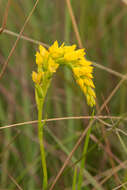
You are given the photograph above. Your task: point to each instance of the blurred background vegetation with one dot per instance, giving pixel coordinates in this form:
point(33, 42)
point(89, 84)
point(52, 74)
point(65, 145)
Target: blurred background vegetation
point(102, 27)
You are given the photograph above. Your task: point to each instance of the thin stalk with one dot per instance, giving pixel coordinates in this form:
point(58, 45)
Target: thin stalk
point(80, 179)
point(74, 179)
point(122, 142)
point(40, 136)
point(82, 23)
point(125, 151)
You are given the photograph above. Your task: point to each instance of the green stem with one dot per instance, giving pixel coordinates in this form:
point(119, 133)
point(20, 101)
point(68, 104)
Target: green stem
point(80, 179)
point(74, 179)
point(40, 136)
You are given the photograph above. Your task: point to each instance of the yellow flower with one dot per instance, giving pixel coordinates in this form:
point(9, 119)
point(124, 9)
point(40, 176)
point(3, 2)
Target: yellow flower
point(90, 96)
point(43, 52)
point(80, 83)
point(52, 66)
point(54, 47)
point(74, 55)
point(42, 55)
point(85, 90)
point(91, 92)
point(82, 71)
point(56, 51)
point(89, 75)
point(69, 49)
point(88, 82)
point(83, 75)
point(92, 103)
point(90, 100)
point(84, 62)
point(39, 58)
point(36, 77)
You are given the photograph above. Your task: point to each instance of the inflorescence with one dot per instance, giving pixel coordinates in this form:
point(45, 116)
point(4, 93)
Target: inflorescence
point(48, 62)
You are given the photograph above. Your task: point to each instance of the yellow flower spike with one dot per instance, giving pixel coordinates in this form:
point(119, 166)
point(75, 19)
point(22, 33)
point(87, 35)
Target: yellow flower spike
point(49, 61)
point(36, 77)
point(83, 75)
point(39, 58)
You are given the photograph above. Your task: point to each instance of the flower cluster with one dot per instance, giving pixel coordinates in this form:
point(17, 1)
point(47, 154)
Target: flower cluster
point(49, 60)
